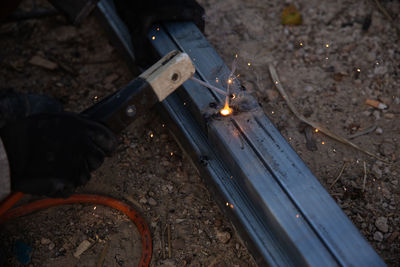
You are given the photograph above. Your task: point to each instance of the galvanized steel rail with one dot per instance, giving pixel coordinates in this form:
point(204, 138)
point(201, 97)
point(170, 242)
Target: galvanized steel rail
point(281, 211)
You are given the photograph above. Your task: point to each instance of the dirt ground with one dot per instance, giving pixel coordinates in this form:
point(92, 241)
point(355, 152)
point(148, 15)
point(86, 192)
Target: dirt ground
point(342, 54)
point(329, 65)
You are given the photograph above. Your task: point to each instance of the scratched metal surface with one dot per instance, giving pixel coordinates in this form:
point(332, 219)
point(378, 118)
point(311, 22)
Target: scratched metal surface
point(279, 208)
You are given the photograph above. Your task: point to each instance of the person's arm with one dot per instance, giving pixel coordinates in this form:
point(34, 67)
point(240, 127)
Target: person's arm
point(5, 184)
point(50, 152)
point(141, 15)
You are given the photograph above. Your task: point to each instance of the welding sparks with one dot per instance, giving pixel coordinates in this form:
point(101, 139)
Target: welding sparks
point(153, 38)
point(226, 110)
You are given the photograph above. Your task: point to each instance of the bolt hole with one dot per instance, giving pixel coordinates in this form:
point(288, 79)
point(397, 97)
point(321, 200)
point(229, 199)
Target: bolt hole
point(175, 77)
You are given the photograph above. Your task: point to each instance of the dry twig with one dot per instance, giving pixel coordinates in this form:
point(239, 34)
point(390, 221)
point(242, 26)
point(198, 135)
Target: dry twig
point(169, 242)
point(320, 128)
point(387, 15)
point(103, 254)
point(366, 131)
point(339, 175)
point(162, 230)
point(365, 176)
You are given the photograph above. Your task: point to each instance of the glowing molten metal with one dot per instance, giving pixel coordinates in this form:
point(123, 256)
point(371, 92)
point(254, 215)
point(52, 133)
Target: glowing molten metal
point(226, 110)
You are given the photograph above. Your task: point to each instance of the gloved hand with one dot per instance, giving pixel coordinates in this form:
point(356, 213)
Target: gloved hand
point(141, 15)
point(51, 154)
point(15, 106)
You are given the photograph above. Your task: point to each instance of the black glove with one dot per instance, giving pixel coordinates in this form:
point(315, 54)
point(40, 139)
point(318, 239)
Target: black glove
point(50, 154)
point(15, 106)
point(141, 15)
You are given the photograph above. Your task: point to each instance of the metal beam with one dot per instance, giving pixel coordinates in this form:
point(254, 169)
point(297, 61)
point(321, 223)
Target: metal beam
point(278, 207)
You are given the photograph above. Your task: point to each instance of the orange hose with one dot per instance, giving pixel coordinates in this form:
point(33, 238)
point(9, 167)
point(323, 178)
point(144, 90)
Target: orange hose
point(9, 202)
point(94, 199)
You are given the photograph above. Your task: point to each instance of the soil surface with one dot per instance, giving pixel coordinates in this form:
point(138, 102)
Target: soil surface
point(342, 54)
point(148, 170)
point(330, 65)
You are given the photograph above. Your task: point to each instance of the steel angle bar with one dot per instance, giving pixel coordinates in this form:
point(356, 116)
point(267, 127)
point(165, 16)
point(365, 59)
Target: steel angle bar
point(277, 206)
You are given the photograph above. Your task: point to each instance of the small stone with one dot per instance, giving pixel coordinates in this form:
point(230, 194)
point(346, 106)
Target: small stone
point(223, 237)
point(378, 236)
point(52, 246)
point(42, 62)
point(389, 116)
point(387, 148)
point(308, 88)
point(376, 171)
point(45, 241)
point(143, 200)
point(381, 224)
point(393, 237)
point(168, 263)
point(376, 114)
point(272, 95)
point(380, 70)
point(83, 246)
point(152, 201)
point(367, 113)
point(379, 131)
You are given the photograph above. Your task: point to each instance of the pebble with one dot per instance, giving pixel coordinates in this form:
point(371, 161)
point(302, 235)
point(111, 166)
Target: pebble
point(381, 224)
point(152, 201)
point(378, 236)
point(45, 241)
point(376, 114)
point(367, 113)
point(387, 148)
point(379, 131)
point(376, 171)
point(380, 70)
point(43, 62)
point(223, 237)
point(83, 246)
point(52, 246)
point(179, 220)
point(168, 263)
point(393, 236)
point(143, 200)
point(308, 88)
point(389, 116)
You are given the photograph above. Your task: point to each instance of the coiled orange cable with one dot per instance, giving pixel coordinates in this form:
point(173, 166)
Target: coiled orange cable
point(6, 214)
